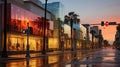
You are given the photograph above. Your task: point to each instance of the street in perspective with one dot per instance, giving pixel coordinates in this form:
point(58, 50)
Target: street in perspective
point(59, 33)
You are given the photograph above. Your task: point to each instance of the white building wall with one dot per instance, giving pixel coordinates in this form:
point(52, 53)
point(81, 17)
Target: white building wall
point(83, 29)
point(67, 30)
point(90, 35)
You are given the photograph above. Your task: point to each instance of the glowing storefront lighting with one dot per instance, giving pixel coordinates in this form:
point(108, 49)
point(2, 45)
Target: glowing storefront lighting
point(15, 41)
point(17, 26)
point(53, 43)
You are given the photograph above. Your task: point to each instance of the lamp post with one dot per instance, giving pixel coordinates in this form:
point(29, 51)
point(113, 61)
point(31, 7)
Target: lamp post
point(27, 46)
point(4, 52)
point(62, 39)
point(44, 38)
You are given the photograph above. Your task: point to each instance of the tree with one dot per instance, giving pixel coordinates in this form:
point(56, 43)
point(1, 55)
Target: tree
point(93, 35)
point(117, 37)
point(72, 17)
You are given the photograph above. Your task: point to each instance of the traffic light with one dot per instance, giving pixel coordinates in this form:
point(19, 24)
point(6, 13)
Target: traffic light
point(102, 23)
point(106, 23)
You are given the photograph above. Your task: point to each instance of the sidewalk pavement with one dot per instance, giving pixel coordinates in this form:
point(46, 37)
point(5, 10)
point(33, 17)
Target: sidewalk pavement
point(35, 55)
point(32, 55)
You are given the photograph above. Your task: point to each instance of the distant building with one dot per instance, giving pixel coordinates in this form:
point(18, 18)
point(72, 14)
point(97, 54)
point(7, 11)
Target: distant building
point(96, 29)
point(97, 36)
point(87, 31)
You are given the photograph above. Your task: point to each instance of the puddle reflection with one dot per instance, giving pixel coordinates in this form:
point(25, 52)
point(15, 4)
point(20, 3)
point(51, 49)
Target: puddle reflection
point(46, 61)
point(53, 59)
point(108, 59)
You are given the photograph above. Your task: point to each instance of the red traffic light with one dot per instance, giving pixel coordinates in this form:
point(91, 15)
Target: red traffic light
point(107, 23)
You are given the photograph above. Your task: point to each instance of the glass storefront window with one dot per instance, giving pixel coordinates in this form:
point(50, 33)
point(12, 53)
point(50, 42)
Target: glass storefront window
point(19, 22)
point(18, 42)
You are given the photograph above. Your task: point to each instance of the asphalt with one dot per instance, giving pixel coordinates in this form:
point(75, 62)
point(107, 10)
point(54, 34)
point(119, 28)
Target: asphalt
point(106, 57)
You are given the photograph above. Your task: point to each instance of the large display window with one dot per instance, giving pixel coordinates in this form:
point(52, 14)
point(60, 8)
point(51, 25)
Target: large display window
point(18, 42)
point(20, 17)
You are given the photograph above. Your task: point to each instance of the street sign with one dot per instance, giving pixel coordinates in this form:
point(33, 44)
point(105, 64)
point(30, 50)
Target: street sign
point(112, 23)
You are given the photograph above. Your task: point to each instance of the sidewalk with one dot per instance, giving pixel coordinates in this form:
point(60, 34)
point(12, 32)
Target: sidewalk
point(36, 55)
point(32, 55)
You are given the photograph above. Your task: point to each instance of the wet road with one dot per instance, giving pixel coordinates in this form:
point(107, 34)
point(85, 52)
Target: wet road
point(99, 58)
point(104, 58)
point(56, 60)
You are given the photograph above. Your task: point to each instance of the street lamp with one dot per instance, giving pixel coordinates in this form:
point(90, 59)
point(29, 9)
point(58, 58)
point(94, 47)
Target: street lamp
point(27, 46)
point(44, 39)
point(4, 52)
point(62, 39)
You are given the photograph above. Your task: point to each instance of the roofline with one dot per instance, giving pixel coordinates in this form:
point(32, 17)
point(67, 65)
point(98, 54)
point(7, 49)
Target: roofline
point(37, 5)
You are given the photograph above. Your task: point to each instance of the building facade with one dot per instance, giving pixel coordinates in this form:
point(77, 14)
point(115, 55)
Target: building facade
point(57, 8)
point(20, 13)
point(97, 37)
point(78, 36)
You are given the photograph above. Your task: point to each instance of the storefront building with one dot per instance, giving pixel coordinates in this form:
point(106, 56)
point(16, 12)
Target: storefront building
point(56, 8)
point(19, 21)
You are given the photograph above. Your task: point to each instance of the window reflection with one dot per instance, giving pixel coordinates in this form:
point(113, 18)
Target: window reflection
point(17, 24)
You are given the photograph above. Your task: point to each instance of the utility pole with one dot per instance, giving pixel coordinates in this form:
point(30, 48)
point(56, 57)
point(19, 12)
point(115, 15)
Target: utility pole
point(4, 52)
point(44, 39)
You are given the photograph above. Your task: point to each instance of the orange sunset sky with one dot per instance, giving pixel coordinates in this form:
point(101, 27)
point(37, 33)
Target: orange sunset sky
point(109, 33)
point(110, 30)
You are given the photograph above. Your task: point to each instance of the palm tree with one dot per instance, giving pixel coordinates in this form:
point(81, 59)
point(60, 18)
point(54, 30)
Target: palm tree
point(72, 18)
point(93, 35)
